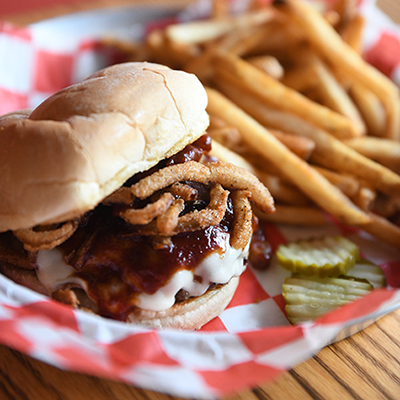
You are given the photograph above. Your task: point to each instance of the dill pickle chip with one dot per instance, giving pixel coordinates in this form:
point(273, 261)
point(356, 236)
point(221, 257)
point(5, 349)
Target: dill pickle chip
point(327, 256)
point(364, 269)
point(307, 298)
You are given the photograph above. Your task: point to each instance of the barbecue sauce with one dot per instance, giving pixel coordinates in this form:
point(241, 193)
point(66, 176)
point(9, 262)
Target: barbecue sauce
point(118, 264)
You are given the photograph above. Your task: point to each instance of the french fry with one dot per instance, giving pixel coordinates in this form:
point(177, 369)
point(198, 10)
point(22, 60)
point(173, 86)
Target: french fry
point(299, 145)
point(300, 77)
point(329, 152)
point(351, 32)
point(268, 64)
point(329, 43)
point(209, 29)
point(234, 68)
point(347, 10)
point(370, 107)
point(162, 50)
point(384, 151)
point(387, 206)
point(282, 191)
point(332, 153)
point(334, 96)
point(383, 229)
point(332, 17)
point(349, 185)
point(236, 41)
point(365, 198)
point(296, 170)
point(293, 215)
point(228, 136)
point(226, 155)
point(278, 189)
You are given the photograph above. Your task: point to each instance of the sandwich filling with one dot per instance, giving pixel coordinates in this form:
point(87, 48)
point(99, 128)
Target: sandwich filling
point(168, 235)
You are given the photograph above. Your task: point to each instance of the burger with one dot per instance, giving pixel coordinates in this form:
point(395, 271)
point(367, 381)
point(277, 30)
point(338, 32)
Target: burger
point(111, 203)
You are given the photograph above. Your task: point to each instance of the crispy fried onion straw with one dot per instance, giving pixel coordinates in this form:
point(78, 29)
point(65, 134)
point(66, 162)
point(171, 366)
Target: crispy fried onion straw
point(44, 238)
point(189, 171)
point(228, 175)
point(243, 219)
point(194, 220)
point(211, 215)
point(184, 191)
point(167, 222)
point(143, 216)
point(122, 195)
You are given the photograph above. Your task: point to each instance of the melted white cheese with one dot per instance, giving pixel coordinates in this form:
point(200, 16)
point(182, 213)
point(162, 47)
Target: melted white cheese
point(54, 273)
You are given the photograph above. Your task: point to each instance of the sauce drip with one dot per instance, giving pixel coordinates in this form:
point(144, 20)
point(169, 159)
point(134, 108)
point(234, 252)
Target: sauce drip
point(118, 265)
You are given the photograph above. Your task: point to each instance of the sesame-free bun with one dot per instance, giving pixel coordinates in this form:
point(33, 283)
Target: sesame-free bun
point(86, 140)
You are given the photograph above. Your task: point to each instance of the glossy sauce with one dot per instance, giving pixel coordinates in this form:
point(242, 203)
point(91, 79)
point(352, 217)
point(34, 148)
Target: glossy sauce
point(118, 265)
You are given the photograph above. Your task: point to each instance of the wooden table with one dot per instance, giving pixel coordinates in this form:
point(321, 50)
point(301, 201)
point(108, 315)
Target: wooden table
point(365, 366)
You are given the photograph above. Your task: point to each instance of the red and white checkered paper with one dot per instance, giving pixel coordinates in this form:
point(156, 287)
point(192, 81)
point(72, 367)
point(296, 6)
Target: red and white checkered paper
point(251, 342)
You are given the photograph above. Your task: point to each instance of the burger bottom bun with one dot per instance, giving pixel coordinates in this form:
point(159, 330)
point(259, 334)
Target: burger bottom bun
point(191, 314)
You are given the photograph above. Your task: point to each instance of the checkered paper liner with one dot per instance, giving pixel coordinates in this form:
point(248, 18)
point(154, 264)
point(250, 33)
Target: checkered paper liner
point(251, 342)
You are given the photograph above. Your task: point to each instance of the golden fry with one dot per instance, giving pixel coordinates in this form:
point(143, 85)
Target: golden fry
point(327, 41)
point(329, 152)
point(349, 185)
point(205, 30)
point(292, 167)
point(352, 32)
point(385, 151)
point(268, 64)
point(370, 107)
point(383, 229)
point(299, 145)
point(335, 96)
point(294, 215)
point(280, 96)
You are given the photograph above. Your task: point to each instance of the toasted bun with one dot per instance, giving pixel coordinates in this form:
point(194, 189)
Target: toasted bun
point(85, 141)
point(191, 314)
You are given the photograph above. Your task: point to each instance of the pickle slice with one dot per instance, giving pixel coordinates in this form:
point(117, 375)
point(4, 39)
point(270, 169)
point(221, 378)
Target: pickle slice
point(364, 269)
point(307, 298)
point(327, 256)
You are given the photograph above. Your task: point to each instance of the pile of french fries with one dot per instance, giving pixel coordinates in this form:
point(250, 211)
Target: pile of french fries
point(292, 100)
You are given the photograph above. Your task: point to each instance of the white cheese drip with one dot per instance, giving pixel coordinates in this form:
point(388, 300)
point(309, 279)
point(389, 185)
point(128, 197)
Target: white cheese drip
point(54, 273)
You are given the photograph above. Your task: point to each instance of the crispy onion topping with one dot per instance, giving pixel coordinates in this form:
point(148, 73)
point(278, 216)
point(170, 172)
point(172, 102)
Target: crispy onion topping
point(122, 195)
point(211, 215)
point(184, 191)
point(43, 238)
point(189, 171)
point(228, 175)
point(243, 219)
point(194, 220)
point(166, 193)
point(167, 222)
point(224, 179)
point(143, 216)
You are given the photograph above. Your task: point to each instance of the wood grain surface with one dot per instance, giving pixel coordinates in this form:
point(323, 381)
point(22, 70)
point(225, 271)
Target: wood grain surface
point(365, 366)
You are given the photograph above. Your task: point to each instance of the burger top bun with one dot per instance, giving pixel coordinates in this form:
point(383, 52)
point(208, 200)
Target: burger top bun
point(86, 140)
